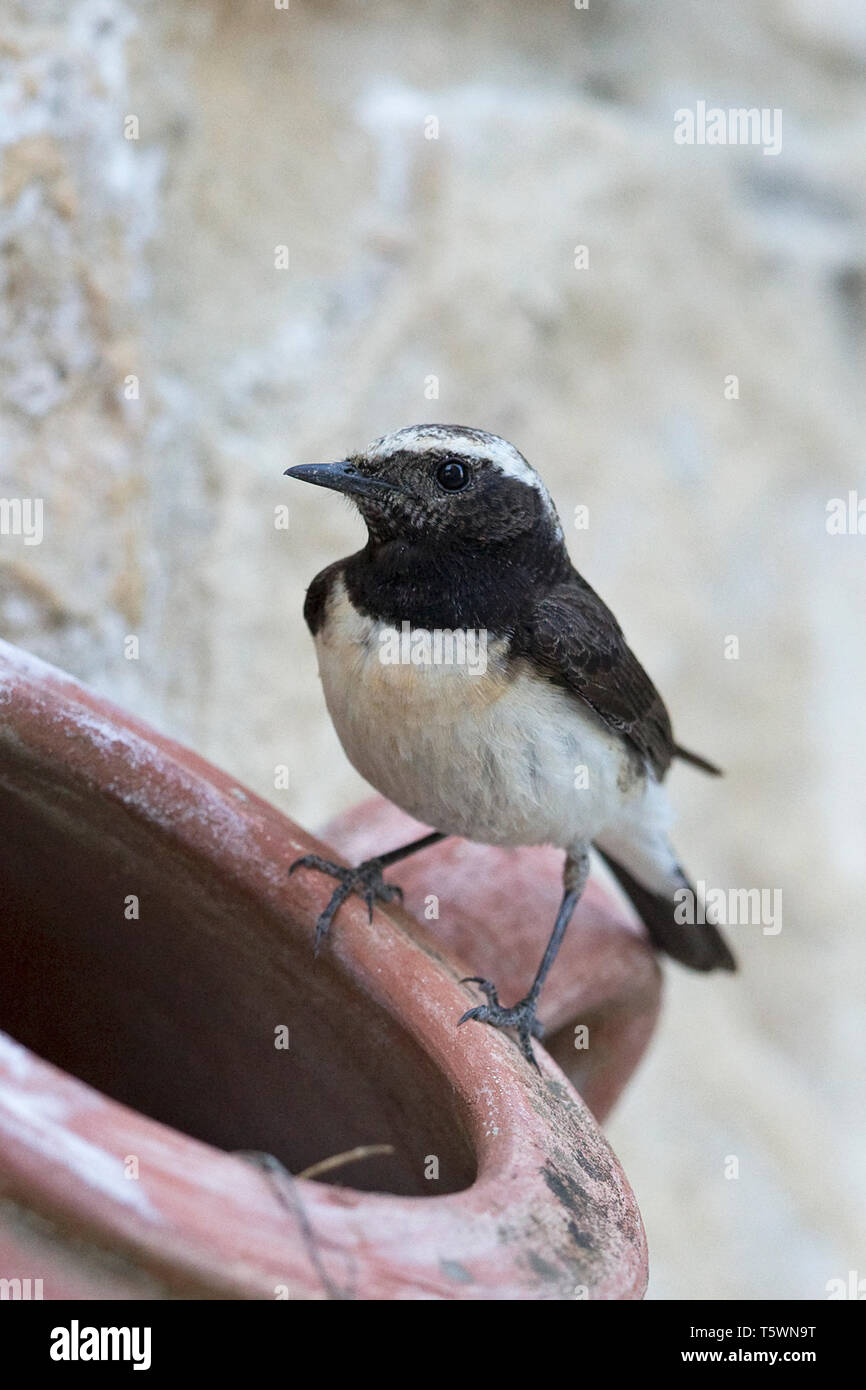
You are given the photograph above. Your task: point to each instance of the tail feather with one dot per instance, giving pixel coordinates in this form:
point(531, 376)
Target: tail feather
point(697, 761)
point(702, 947)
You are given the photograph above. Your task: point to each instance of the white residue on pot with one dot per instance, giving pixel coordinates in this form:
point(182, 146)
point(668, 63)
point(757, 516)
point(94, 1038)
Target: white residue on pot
point(40, 1119)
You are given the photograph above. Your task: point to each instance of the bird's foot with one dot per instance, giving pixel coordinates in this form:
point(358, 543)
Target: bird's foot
point(366, 880)
point(520, 1016)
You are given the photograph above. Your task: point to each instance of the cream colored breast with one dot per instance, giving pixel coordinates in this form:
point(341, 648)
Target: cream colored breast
point(364, 682)
point(494, 755)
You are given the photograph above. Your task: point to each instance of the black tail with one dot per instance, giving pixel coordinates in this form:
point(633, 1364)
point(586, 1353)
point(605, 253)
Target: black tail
point(697, 761)
point(701, 947)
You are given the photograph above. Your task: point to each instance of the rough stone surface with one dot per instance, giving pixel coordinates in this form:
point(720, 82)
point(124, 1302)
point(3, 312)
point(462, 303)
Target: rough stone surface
point(412, 258)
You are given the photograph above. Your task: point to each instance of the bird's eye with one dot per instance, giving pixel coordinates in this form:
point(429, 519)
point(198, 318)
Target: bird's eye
point(452, 475)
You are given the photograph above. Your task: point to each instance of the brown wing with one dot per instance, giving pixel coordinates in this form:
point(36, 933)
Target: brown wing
point(577, 641)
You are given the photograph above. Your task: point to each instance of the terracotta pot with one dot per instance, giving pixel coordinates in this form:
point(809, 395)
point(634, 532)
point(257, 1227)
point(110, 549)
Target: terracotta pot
point(495, 909)
point(152, 946)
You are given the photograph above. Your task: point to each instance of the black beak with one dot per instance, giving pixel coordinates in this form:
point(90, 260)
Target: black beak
point(342, 477)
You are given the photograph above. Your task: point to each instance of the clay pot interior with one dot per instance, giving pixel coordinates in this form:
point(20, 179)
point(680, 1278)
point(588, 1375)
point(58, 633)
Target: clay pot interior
point(174, 1014)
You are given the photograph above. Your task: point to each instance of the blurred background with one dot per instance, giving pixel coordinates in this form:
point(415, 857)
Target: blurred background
point(237, 237)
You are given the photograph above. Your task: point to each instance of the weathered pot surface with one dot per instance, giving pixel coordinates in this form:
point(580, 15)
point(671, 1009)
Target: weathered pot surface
point(154, 949)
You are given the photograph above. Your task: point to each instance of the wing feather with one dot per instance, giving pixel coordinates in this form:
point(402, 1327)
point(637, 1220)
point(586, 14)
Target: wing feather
point(574, 637)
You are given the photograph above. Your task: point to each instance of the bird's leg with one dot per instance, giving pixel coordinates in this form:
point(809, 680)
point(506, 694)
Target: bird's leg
point(521, 1016)
point(365, 879)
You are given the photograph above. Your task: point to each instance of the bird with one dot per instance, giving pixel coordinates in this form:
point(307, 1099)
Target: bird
point(557, 736)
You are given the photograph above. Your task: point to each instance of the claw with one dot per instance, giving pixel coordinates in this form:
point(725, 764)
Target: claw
point(479, 1013)
point(526, 1049)
point(485, 986)
point(520, 1017)
point(324, 920)
point(365, 880)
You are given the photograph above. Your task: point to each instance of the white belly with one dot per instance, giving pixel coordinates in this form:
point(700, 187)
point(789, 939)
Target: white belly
point(502, 759)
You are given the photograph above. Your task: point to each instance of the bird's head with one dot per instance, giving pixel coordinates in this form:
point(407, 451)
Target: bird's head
point(445, 483)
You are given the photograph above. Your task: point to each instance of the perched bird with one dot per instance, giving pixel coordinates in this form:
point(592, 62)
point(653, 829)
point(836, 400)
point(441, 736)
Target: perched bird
point(557, 736)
